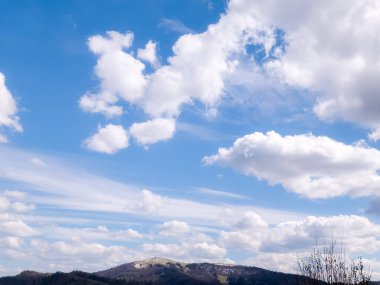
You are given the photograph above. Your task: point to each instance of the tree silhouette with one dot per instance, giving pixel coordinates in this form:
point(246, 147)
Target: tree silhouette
point(329, 265)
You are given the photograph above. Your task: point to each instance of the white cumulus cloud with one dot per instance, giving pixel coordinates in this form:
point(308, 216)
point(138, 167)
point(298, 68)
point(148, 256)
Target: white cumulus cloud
point(312, 166)
point(174, 229)
point(148, 54)
point(148, 203)
point(108, 139)
point(331, 48)
point(8, 110)
point(152, 131)
point(196, 72)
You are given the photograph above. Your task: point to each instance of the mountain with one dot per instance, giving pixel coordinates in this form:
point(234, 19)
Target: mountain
point(59, 278)
point(165, 271)
point(159, 271)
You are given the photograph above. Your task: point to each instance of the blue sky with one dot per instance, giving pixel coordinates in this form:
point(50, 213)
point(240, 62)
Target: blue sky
point(218, 131)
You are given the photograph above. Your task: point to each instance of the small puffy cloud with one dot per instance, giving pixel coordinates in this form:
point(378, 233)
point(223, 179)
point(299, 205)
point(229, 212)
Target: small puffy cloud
point(250, 220)
point(102, 103)
point(8, 109)
point(248, 232)
point(174, 229)
point(148, 54)
point(121, 74)
point(126, 234)
point(76, 254)
point(108, 139)
point(153, 131)
point(113, 41)
point(208, 250)
point(17, 227)
point(312, 166)
point(148, 203)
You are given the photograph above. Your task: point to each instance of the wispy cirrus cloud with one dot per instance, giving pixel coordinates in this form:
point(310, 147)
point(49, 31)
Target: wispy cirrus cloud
point(64, 186)
point(174, 25)
point(218, 193)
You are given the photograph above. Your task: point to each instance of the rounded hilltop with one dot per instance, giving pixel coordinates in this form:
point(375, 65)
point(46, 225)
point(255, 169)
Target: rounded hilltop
point(156, 261)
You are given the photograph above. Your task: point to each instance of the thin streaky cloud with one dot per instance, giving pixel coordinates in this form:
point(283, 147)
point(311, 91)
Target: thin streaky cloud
point(174, 25)
point(218, 193)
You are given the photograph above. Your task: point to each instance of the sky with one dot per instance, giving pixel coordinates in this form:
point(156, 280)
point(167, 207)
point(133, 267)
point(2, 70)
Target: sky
point(239, 131)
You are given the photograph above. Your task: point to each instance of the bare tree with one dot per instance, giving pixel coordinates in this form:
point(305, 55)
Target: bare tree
point(327, 265)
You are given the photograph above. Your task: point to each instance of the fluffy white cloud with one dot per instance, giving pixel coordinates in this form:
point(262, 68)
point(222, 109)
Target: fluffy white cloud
point(102, 103)
point(153, 131)
point(335, 59)
point(208, 250)
point(17, 227)
point(148, 203)
point(248, 232)
point(239, 240)
point(174, 229)
point(251, 233)
point(76, 254)
point(354, 232)
point(108, 139)
point(148, 54)
point(312, 166)
point(197, 71)
point(250, 220)
point(331, 48)
point(120, 74)
point(8, 109)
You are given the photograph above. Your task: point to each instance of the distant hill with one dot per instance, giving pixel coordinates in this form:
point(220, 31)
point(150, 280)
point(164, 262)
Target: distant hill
point(159, 271)
point(165, 271)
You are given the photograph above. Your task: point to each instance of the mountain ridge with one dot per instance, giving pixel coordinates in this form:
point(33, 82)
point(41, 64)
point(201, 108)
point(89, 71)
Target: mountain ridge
point(162, 271)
